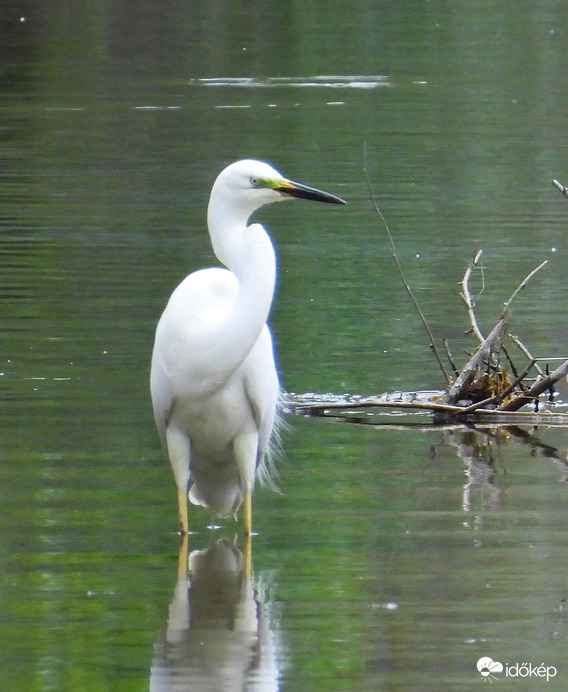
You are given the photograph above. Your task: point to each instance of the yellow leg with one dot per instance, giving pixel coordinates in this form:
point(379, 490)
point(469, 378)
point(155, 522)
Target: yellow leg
point(247, 557)
point(182, 557)
point(247, 513)
point(182, 508)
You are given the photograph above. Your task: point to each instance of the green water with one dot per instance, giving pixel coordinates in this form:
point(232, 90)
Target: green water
point(393, 559)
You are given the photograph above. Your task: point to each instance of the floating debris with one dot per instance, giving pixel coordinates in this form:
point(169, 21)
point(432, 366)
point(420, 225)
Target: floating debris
point(327, 81)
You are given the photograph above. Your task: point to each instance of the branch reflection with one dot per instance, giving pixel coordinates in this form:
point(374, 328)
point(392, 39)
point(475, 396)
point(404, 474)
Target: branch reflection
point(476, 447)
point(218, 635)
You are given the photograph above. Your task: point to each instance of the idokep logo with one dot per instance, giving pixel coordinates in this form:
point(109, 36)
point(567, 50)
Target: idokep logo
point(488, 669)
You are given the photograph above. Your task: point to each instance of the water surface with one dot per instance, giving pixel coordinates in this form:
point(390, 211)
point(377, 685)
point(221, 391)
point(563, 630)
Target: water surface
point(394, 558)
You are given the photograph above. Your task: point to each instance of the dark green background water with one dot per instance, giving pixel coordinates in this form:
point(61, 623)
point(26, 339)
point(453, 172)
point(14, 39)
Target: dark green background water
point(393, 559)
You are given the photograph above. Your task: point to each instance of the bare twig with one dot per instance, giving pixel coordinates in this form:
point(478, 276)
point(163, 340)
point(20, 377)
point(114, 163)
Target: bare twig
point(400, 269)
point(540, 386)
point(466, 296)
point(520, 287)
point(563, 189)
point(511, 364)
point(450, 358)
point(528, 354)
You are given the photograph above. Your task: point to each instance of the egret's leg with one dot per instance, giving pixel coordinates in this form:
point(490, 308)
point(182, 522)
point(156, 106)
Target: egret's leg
point(247, 513)
point(179, 449)
point(247, 557)
point(246, 451)
point(182, 509)
point(182, 557)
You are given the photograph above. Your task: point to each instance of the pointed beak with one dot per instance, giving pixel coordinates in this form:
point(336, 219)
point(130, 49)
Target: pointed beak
point(292, 189)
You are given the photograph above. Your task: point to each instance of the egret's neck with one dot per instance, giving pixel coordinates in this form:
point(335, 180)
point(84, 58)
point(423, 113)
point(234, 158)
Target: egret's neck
point(247, 251)
point(237, 245)
point(227, 224)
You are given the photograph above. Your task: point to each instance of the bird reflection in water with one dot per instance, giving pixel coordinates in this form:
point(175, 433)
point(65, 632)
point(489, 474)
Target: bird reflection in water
point(218, 634)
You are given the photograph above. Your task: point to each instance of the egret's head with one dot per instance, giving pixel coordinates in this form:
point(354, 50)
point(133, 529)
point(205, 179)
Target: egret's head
point(250, 184)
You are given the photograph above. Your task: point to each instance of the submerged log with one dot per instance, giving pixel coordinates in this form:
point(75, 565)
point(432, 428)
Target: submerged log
point(367, 410)
point(486, 390)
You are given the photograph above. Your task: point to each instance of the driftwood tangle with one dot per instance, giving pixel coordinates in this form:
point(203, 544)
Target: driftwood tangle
point(490, 388)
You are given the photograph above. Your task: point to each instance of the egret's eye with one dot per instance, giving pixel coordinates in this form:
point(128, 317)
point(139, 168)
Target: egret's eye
point(254, 181)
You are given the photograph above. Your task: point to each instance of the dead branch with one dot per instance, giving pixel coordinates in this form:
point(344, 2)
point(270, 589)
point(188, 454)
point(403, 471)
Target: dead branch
point(467, 299)
point(320, 409)
point(450, 358)
point(498, 398)
point(526, 352)
point(522, 285)
point(443, 413)
point(432, 344)
point(563, 189)
point(540, 386)
point(485, 381)
point(458, 390)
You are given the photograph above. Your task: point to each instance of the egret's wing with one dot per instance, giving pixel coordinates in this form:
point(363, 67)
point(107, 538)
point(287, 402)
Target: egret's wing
point(200, 298)
point(162, 399)
point(262, 390)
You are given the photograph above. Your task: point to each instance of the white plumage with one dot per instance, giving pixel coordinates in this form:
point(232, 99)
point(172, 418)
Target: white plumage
point(213, 377)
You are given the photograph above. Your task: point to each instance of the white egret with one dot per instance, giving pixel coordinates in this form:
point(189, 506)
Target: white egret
point(213, 378)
